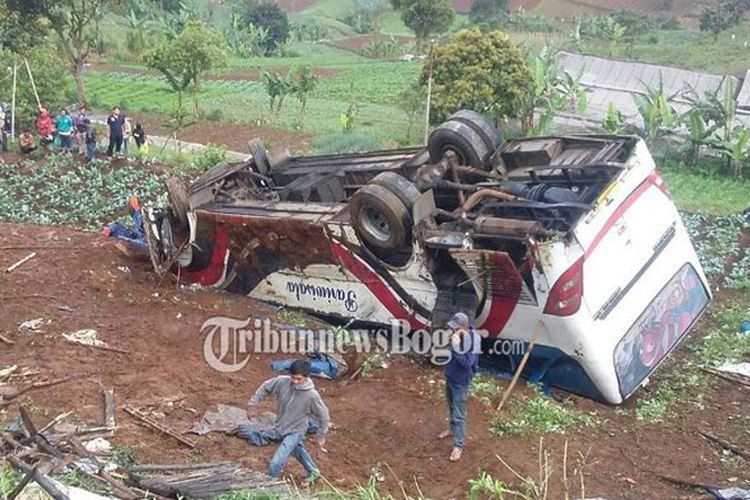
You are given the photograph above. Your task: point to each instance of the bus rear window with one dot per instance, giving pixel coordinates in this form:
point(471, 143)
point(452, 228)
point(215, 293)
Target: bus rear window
point(659, 328)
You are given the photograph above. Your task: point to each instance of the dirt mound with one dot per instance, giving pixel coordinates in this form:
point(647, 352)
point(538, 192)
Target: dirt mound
point(78, 281)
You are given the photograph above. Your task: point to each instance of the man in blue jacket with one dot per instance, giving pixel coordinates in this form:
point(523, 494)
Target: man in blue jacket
point(463, 364)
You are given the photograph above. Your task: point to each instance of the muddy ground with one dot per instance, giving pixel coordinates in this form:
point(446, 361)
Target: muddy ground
point(392, 416)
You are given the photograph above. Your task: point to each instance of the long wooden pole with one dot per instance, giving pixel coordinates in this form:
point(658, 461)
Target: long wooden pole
point(13, 103)
point(429, 96)
point(534, 337)
point(33, 85)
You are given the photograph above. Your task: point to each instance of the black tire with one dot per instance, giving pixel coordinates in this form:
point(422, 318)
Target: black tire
point(178, 199)
point(380, 218)
point(462, 140)
point(399, 185)
point(260, 157)
point(491, 135)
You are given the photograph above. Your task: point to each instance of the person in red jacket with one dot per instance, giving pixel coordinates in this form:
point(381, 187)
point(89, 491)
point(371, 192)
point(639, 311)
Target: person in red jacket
point(45, 127)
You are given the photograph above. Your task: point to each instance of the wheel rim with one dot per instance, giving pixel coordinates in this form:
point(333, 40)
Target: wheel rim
point(459, 157)
point(376, 224)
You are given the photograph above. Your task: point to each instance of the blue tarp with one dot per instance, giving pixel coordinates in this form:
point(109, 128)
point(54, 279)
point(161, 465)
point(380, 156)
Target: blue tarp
point(321, 365)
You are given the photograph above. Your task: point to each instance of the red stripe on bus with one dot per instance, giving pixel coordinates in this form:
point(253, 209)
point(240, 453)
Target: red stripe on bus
point(375, 284)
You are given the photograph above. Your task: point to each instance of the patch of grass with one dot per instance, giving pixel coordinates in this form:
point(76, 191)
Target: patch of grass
point(725, 343)
point(484, 388)
point(714, 194)
point(689, 49)
point(539, 414)
point(685, 383)
point(9, 478)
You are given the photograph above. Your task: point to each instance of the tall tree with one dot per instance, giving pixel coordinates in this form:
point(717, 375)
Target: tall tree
point(723, 15)
point(196, 50)
point(480, 71)
point(485, 10)
point(267, 14)
point(425, 17)
point(76, 25)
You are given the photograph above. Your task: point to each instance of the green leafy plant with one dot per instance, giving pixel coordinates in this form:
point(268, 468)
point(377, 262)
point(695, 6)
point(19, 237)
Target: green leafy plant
point(614, 121)
point(657, 113)
point(549, 91)
point(278, 87)
point(541, 414)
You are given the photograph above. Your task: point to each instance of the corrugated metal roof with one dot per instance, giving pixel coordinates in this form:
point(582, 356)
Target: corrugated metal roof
point(743, 98)
point(613, 81)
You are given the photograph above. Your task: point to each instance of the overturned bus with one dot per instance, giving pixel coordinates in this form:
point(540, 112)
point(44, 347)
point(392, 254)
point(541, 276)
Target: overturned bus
point(578, 232)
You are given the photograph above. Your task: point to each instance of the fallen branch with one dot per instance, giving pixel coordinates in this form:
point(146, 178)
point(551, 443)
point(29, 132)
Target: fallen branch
point(55, 421)
point(29, 296)
point(159, 427)
point(39, 478)
point(681, 482)
point(20, 262)
point(20, 486)
point(726, 445)
point(8, 396)
point(736, 378)
point(6, 340)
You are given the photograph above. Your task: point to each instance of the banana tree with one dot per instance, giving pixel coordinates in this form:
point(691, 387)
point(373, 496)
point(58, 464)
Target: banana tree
point(550, 91)
point(659, 116)
point(735, 149)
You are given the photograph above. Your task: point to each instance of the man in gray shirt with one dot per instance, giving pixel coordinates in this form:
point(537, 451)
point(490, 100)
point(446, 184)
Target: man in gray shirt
point(297, 399)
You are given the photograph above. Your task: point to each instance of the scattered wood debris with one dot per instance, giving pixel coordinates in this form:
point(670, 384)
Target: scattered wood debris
point(41, 452)
point(206, 481)
point(8, 393)
point(159, 427)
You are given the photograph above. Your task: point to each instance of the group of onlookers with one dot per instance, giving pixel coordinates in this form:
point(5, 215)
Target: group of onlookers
point(65, 130)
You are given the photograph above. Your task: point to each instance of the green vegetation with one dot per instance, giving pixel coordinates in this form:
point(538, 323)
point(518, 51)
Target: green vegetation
point(482, 71)
point(485, 388)
point(685, 384)
point(82, 195)
point(693, 191)
point(8, 478)
point(538, 414)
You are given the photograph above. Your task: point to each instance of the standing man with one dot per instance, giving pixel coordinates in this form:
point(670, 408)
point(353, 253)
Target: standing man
point(297, 399)
point(460, 369)
point(81, 127)
point(64, 125)
point(115, 123)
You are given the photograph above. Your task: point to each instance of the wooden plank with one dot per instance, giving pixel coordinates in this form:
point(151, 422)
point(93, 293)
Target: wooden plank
point(159, 427)
point(109, 408)
point(177, 467)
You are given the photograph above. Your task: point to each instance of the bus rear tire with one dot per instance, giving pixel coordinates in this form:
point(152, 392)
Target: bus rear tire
point(463, 140)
